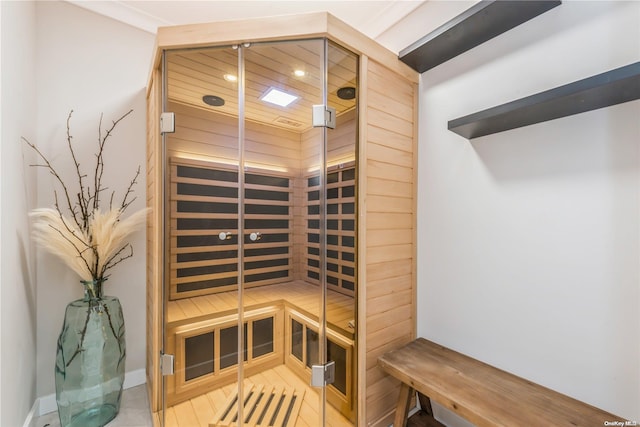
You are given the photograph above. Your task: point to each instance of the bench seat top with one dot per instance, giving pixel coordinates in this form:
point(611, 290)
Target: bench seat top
point(485, 395)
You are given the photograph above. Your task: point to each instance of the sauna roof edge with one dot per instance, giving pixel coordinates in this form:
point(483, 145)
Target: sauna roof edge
point(285, 27)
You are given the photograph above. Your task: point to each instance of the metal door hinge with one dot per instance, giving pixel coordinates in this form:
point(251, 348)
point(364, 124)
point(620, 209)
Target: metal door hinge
point(324, 116)
point(167, 122)
point(322, 375)
point(166, 364)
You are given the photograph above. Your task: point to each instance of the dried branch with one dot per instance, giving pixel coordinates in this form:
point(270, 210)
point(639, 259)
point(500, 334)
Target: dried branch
point(80, 349)
point(100, 156)
point(119, 336)
point(97, 175)
point(134, 181)
point(110, 262)
point(82, 201)
point(52, 170)
point(90, 242)
point(66, 226)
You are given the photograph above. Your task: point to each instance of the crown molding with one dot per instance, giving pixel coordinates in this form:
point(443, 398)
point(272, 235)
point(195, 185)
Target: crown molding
point(388, 16)
point(125, 12)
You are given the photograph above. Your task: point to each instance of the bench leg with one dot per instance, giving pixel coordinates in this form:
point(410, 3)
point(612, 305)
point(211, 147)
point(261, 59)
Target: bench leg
point(425, 404)
point(402, 410)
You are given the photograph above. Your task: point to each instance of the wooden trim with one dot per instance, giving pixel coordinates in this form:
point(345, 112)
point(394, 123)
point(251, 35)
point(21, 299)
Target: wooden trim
point(227, 33)
point(154, 243)
point(414, 267)
point(362, 180)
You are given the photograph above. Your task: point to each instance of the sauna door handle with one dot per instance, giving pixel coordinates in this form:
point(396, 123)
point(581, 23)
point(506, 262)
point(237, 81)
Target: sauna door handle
point(254, 237)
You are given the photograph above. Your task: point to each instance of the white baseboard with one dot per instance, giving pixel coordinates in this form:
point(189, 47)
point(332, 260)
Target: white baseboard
point(46, 404)
point(134, 378)
point(31, 416)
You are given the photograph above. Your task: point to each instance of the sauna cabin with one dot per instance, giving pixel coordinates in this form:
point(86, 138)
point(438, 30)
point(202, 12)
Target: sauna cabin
point(281, 248)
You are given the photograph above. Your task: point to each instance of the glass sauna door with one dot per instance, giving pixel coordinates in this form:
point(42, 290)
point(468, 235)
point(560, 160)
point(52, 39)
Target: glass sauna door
point(260, 222)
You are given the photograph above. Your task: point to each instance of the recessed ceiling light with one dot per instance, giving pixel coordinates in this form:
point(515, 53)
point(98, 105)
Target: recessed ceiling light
point(230, 78)
point(278, 97)
point(299, 73)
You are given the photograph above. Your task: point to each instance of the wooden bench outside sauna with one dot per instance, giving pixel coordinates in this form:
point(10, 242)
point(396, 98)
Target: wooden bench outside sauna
point(480, 393)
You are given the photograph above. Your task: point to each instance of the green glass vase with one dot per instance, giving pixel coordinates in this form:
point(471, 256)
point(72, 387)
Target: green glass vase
point(90, 359)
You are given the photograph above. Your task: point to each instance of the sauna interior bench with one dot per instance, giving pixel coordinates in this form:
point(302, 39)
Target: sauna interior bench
point(480, 393)
point(303, 296)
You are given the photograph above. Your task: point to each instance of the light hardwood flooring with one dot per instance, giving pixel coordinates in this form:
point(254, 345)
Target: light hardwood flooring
point(198, 412)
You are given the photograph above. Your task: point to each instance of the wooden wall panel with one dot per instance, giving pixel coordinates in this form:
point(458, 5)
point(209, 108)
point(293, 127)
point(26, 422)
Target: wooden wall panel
point(299, 228)
point(310, 146)
point(203, 135)
point(389, 250)
point(341, 143)
point(200, 263)
point(154, 243)
point(340, 232)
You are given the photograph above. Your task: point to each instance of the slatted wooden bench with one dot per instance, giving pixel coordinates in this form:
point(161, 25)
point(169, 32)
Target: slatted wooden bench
point(480, 393)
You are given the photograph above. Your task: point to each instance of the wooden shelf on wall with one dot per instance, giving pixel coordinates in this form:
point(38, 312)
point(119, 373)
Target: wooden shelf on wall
point(602, 90)
point(481, 22)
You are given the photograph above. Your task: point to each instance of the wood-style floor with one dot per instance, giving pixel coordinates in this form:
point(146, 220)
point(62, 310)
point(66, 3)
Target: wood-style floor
point(198, 412)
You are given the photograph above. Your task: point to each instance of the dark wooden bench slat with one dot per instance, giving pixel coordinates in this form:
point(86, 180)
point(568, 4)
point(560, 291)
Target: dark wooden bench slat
point(483, 394)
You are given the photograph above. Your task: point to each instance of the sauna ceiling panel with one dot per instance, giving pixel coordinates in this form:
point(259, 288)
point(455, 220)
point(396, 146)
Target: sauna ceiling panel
point(291, 67)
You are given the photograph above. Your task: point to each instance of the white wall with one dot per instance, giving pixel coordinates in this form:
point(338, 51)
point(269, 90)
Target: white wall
point(17, 193)
point(528, 247)
point(93, 65)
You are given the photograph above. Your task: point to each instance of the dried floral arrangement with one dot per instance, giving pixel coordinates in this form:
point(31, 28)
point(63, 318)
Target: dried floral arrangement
point(89, 239)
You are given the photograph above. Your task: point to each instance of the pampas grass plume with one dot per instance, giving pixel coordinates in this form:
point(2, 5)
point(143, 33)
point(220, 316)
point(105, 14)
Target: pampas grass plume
point(87, 252)
point(60, 236)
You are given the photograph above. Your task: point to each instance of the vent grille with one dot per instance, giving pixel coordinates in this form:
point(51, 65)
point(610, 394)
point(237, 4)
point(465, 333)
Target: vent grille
point(288, 122)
